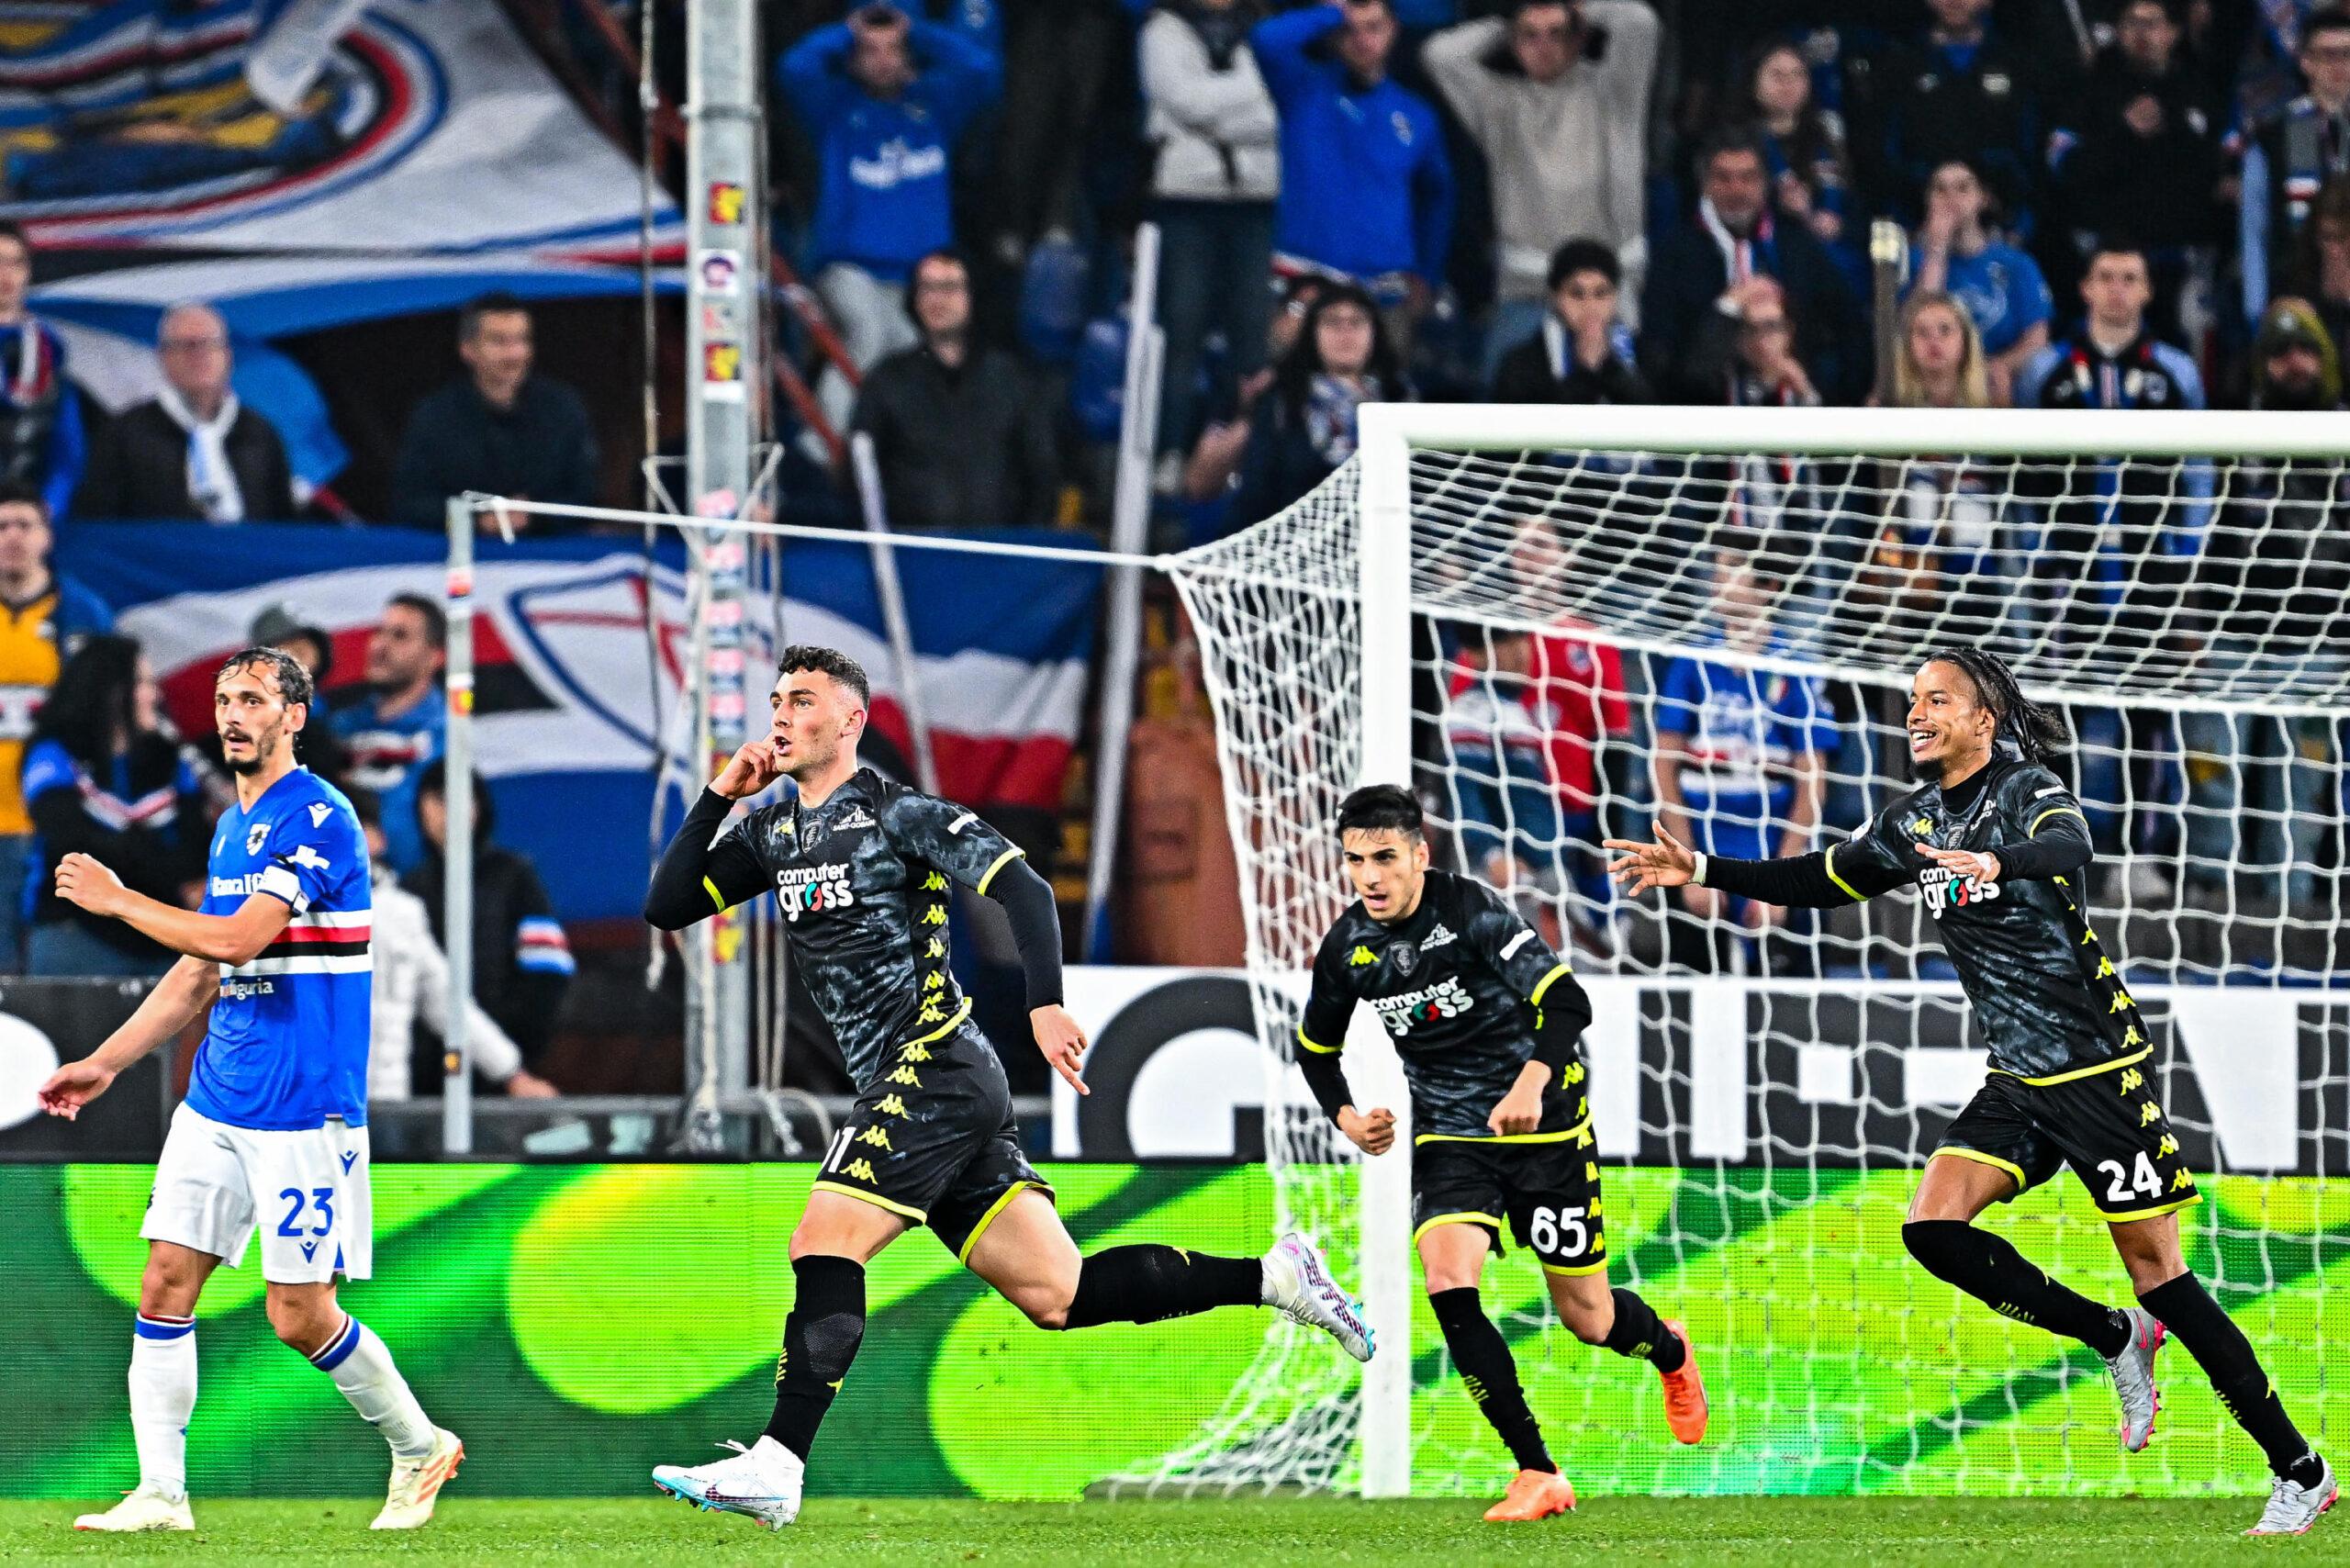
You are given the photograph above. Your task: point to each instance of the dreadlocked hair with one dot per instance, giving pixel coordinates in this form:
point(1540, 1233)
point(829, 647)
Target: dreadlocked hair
point(2038, 732)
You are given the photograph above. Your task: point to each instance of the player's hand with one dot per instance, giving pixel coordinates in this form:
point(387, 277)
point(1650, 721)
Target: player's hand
point(1520, 1110)
point(1668, 863)
point(1061, 1040)
point(74, 1085)
point(530, 1086)
point(1982, 866)
point(1372, 1134)
point(87, 883)
point(748, 771)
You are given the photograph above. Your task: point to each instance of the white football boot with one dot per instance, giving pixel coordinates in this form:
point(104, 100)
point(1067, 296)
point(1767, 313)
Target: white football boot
point(1298, 1285)
point(416, 1482)
point(2134, 1378)
point(147, 1508)
point(2293, 1508)
point(762, 1482)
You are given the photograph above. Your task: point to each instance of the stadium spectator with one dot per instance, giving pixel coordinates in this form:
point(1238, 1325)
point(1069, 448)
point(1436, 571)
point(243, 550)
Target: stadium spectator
point(105, 777)
point(44, 618)
point(1741, 770)
point(1734, 236)
point(1959, 92)
point(499, 428)
point(1937, 553)
point(1215, 171)
point(1212, 472)
point(2000, 287)
point(2291, 154)
point(2323, 271)
point(2112, 557)
point(961, 437)
point(1304, 427)
point(411, 987)
point(2137, 150)
point(1366, 187)
point(1744, 354)
point(42, 441)
point(1556, 94)
point(522, 963)
point(1803, 143)
point(885, 98)
point(193, 450)
point(1581, 352)
point(402, 721)
point(2275, 592)
point(318, 748)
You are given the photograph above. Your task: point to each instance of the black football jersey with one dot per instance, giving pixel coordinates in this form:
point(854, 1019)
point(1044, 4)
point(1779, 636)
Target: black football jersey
point(862, 882)
point(2048, 999)
point(1458, 985)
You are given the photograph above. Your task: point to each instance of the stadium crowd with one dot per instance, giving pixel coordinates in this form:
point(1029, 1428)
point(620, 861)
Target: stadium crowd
point(2107, 203)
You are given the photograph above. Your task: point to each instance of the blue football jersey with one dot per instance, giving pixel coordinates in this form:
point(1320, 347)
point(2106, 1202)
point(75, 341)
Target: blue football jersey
point(287, 1048)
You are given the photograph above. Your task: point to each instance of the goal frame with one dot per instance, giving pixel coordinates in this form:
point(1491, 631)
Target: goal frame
point(1387, 435)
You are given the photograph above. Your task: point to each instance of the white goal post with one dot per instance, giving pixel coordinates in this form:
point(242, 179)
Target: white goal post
point(2105, 528)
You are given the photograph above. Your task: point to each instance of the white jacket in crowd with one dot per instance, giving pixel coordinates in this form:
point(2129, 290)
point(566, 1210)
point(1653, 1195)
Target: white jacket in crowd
point(412, 981)
point(1216, 131)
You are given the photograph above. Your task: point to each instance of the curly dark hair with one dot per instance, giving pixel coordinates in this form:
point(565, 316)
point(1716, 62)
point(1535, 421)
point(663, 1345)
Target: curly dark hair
point(831, 662)
point(292, 679)
point(92, 702)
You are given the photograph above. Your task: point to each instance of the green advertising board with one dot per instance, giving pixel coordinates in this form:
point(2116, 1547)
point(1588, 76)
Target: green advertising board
point(579, 1325)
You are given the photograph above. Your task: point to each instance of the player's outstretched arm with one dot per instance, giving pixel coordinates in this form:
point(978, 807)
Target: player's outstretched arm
point(234, 938)
point(696, 876)
point(1822, 880)
point(1028, 904)
point(180, 998)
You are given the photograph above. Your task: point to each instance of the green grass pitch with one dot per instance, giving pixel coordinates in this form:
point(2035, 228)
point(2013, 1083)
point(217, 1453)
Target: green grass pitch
point(1810, 1532)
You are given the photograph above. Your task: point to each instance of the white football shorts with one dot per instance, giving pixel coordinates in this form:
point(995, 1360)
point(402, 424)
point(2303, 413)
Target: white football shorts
point(307, 1190)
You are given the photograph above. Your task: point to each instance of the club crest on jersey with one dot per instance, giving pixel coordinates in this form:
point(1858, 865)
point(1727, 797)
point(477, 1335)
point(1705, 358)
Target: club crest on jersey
point(1436, 938)
point(254, 837)
point(1405, 957)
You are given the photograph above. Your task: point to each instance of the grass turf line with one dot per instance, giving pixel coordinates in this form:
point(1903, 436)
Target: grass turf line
point(1819, 1532)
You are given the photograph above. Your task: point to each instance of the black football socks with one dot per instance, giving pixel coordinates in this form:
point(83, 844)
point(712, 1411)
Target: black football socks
point(2187, 1309)
point(1150, 1283)
point(820, 1339)
point(1490, 1373)
point(1985, 1267)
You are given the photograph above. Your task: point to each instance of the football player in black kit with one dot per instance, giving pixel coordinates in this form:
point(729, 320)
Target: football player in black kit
point(861, 867)
point(1997, 846)
point(1485, 1018)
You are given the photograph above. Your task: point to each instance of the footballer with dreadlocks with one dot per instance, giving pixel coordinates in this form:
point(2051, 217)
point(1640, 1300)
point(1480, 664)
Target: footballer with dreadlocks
point(1997, 846)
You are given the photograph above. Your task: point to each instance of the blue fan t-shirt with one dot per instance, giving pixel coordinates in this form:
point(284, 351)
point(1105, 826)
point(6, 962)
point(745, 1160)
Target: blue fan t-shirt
point(288, 1046)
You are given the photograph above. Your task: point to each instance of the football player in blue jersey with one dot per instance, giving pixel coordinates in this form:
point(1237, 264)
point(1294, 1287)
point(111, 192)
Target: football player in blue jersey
point(273, 1129)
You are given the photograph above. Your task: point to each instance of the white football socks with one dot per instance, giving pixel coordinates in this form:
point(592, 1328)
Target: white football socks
point(162, 1392)
point(362, 1367)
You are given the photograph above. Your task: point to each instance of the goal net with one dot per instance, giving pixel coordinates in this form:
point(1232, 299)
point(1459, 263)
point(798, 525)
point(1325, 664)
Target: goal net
point(1569, 623)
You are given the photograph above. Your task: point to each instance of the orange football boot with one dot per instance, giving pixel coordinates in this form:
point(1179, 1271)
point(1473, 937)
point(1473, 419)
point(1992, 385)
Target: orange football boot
point(1685, 1390)
point(1533, 1494)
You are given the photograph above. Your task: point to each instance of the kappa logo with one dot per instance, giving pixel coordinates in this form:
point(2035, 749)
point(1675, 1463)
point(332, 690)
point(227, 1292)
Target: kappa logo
point(1436, 938)
point(1362, 958)
point(319, 811)
point(1923, 827)
point(254, 837)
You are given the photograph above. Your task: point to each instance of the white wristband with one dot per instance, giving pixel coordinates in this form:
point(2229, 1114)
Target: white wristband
point(1697, 877)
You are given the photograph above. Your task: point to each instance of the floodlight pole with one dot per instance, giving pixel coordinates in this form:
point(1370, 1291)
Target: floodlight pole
point(457, 835)
point(724, 287)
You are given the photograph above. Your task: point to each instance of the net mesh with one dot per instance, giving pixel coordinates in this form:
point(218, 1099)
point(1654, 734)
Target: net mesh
point(1724, 640)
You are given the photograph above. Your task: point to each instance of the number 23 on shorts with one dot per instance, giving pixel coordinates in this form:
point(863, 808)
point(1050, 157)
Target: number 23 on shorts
point(320, 1201)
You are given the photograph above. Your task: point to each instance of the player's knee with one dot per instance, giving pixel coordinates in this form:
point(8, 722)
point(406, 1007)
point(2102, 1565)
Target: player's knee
point(167, 1288)
point(1046, 1314)
point(1933, 1242)
point(302, 1322)
point(1589, 1325)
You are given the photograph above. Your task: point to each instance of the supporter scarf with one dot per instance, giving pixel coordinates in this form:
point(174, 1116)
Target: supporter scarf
point(211, 480)
point(1330, 405)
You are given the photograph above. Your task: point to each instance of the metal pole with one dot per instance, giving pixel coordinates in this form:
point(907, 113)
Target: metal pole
point(458, 842)
point(893, 605)
point(723, 227)
point(1129, 532)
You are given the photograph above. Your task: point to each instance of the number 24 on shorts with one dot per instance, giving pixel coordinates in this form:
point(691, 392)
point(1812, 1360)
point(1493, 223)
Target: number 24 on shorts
point(320, 1199)
point(1560, 1230)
